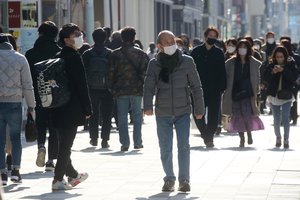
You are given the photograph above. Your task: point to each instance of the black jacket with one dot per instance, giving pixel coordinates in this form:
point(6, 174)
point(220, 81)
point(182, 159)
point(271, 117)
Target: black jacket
point(87, 55)
point(289, 75)
point(43, 49)
point(211, 68)
point(73, 113)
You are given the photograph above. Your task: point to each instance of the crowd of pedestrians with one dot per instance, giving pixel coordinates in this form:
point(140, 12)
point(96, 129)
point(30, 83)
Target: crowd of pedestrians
point(220, 83)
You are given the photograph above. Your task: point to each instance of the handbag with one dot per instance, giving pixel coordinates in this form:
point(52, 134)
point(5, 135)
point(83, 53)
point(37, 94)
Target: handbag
point(283, 94)
point(30, 129)
point(242, 90)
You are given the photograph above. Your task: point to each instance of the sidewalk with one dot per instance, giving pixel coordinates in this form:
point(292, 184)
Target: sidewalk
point(226, 172)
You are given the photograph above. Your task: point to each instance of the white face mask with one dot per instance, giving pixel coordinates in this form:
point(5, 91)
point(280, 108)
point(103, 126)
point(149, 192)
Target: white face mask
point(78, 42)
point(231, 49)
point(270, 40)
point(242, 51)
point(170, 50)
point(257, 47)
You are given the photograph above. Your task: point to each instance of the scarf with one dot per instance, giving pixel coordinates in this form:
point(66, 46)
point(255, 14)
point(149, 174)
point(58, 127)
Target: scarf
point(168, 64)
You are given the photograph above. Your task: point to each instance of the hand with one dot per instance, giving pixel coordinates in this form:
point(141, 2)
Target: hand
point(148, 112)
point(198, 116)
point(276, 69)
point(87, 116)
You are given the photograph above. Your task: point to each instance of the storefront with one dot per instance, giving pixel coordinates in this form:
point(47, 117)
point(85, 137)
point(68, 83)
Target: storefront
point(22, 18)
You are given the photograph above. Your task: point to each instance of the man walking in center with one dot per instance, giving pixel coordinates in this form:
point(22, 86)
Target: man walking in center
point(171, 76)
point(210, 61)
point(126, 77)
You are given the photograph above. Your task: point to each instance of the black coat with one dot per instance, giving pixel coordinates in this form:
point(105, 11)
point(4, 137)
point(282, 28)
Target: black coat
point(43, 49)
point(211, 68)
point(73, 113)
point(289, 76)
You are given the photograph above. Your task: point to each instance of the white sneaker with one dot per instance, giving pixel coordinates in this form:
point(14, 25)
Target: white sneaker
point(40, 160)
point(61, 185)
point(80, 178)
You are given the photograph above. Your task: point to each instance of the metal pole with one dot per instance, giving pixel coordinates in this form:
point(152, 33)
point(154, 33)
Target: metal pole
point(110, 14)
point(89, 20)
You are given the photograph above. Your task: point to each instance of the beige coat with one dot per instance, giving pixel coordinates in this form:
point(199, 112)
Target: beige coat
point(254, 78)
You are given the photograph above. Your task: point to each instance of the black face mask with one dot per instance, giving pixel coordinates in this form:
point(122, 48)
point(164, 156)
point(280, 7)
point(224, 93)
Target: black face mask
point(211, 41)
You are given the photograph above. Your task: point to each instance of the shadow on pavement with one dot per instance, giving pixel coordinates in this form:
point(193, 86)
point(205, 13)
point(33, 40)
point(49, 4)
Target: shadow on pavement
point(53, 195)
point(239, 149)
point(122, 153)
point(167, 195)
point(37, 175)
point(277, 149)
point(14, 188)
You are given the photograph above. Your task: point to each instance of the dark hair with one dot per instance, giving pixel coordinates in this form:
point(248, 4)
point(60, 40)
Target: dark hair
point(6, 37)
point(107, 31)
point(99, 36)
point(139, 44)
point(3, 38)
point(211, 28)
point(179, 41)
point(66, 31)
point(232, 41)
point(152, 47)
point(282, 50)
point(270, 33)
point(249, 49)
point(185, 39)
point(286, 38)
point(48, 28)
point(128, 34)
point(249, 39)
point(287, 44)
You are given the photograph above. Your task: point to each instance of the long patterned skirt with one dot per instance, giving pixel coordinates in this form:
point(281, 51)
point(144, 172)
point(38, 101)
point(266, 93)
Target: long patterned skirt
point(242, 119)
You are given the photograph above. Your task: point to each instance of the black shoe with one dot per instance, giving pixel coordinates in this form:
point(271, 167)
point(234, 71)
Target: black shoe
point(8, 162)
point(184, 186)
point(104, 144)
point(124, 148)
point(15, 176)
point(242, 140)
point(94, 142)
point(210, 144)
point(250, 140)
point(4, 178)
point(168, 186)
point(138, 146)
point(278, 142)
point(286, 144)
point(49, 166)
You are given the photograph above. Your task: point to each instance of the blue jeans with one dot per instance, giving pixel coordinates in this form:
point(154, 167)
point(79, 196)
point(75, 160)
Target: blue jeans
point(133, 103)
point(165, 137)
point(282, 113)
point(11, 116)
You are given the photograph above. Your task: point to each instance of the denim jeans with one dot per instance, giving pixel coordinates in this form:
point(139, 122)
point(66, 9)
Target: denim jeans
point(165, 137)
point(11, 116)
point(281, 113)
point(133, 103)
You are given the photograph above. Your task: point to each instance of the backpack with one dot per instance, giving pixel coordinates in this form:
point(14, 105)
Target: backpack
point(52, 83)
point(97, 70)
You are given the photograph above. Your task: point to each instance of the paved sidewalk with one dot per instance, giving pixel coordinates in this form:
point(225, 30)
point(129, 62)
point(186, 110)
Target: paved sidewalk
point(226, 172)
